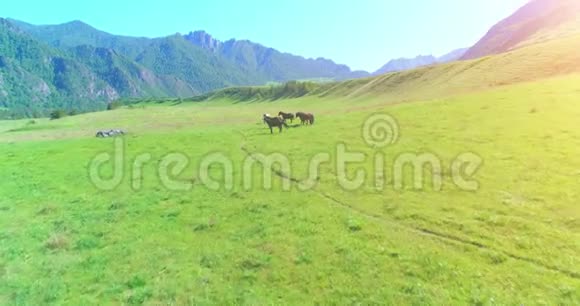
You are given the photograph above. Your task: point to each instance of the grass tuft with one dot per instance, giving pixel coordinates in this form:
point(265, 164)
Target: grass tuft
point(57, 242)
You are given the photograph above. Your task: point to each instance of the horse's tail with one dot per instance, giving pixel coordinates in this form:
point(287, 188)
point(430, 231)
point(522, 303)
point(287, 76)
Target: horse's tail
point(285, 124)
point(312, 122)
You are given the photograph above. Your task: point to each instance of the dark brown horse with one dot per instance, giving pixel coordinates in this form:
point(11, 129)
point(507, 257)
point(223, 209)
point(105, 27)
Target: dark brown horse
point(287, 116)
point(305, 118)
point(274, 122)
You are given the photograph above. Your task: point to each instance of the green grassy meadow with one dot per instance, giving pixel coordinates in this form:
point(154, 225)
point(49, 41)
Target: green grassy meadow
point(514, 241)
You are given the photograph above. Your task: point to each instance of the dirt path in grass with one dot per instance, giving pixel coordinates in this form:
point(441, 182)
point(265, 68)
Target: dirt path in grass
point(416, 230)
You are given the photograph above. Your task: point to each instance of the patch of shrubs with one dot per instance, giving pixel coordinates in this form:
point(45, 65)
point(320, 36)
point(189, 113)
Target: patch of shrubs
point(57, 114)
point(114, 105)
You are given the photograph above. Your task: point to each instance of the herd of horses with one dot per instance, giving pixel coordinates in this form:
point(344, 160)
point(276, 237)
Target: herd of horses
point(272, 122)
point(280, 120)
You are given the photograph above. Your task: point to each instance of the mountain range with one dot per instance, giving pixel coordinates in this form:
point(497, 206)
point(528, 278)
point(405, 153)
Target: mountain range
point(537, 21)
point(420, 61)
point(75, 66)
point(540, 40)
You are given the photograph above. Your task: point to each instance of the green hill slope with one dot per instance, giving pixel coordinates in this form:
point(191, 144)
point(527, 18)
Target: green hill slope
point(34, 76)
point(78, 33)
point(128, 78)
point(512, 241)
point(257, 63)
point(556, 56)
point(538, 41)
point(200, 69)
point(488, 216)
point(537, 21)
point(112, 67)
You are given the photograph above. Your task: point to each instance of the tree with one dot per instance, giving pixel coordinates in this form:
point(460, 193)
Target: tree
point(57, 114)
point(114, 105)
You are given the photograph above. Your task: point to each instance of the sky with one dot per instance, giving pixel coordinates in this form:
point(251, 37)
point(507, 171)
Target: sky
point(362, 34)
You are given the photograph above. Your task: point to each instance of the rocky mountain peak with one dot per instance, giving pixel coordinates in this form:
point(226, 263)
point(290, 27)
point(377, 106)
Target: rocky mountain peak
point(204, 40)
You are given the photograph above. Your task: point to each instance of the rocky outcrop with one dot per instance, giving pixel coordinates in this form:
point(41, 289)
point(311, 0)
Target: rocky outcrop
point(204, 40)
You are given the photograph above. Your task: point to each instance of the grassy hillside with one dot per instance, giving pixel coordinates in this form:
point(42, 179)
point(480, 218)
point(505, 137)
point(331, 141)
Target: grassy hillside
point(200, 69)
point(537, 21)
point(128, 78)
point(484, 212)
point(34, 76)
point(129, 67)
point(77, 33)
point(554, 57)
point(512, 241)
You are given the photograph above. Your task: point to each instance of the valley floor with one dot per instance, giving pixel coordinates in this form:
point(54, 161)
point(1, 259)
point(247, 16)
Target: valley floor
point(162, 235)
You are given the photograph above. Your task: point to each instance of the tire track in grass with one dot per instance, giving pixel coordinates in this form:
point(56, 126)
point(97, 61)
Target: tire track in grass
point(448, 237)
point(417, 230)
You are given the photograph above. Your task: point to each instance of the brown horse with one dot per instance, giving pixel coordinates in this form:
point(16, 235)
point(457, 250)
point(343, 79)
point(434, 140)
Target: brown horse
point(274, 122)
point(264, 116)
point(305, 118)
point(287, 116)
